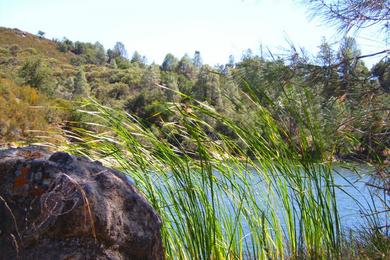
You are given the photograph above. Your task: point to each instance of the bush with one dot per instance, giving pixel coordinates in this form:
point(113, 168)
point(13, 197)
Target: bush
point(77, 61)
point(4, 51)
point(30, 51)
point(23, 110)
point(36, 73)
point(14, 49)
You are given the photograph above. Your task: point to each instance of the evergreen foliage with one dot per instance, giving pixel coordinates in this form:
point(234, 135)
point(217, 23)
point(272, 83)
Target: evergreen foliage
point(349, 99)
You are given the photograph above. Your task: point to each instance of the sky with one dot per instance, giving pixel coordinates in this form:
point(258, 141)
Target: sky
point(216, 28)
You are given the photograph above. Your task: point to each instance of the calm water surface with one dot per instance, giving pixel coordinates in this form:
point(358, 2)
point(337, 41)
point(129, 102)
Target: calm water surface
point(355, 199)
point(361, 200)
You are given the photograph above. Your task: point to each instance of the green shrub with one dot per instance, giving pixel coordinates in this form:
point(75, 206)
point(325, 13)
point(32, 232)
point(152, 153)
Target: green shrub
point(35, 73)
point(4, 51)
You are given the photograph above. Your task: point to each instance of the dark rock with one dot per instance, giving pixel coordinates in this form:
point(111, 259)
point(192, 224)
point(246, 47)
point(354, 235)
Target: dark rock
point(62, 207)
point(61, 158)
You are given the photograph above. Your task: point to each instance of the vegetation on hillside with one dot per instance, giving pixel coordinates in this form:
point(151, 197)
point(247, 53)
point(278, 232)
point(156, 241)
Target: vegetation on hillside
point(26, 114)
point(350, 100)
point(236, 158)
point(16, 40)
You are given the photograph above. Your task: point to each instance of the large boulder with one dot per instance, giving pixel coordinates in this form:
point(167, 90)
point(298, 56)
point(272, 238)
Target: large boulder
point(60, 206)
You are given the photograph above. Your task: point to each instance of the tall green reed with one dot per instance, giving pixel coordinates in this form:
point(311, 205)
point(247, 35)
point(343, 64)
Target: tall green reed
point(259, 195)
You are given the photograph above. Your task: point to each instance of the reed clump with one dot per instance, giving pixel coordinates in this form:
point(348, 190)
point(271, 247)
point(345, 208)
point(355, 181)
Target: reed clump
point(260, 195)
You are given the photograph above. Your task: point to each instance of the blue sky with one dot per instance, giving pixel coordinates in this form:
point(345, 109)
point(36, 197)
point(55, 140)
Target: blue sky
point(217, 28)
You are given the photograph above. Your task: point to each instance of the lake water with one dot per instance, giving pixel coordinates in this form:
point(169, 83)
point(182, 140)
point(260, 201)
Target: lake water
point(360, 200)
point(355, 199)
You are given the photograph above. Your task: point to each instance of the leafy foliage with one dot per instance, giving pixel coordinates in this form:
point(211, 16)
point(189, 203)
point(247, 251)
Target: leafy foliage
point(353, 14)
point(36, 74)
point(183, 121)
point(348, 99)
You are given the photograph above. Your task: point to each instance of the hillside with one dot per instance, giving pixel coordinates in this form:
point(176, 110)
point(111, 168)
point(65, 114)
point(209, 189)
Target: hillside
point(293, 91)
point(264, 136)
point(45, 47)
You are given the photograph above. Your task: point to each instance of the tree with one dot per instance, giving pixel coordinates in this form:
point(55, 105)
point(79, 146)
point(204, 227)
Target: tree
point(231, 62)
point(350, 70)
point(186, 67)
point(382, 72)
point(348, 14)
point(119, 50)
point(80, 84)
point(327, 74)
point(137, 58)
point(169, 80)
point(207, 87)
point(36, 74)
point(110, 55)
point(41, 34)
point(79, 48)
point(170, 63)
point(113, 64)
point(119, 54)
point(100, 53)
point(197, 60)
point(65, 45)
point(326, 56)
point(150, 77)
point(247, 54)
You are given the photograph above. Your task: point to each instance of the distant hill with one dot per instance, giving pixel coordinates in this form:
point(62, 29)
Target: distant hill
point(34, 68)
point(45, 47)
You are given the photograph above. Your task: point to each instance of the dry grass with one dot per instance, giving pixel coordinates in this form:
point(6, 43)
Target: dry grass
point(25, 40)
point(25, 113)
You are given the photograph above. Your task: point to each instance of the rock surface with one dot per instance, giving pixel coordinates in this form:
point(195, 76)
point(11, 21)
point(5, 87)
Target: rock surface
point(60, 206)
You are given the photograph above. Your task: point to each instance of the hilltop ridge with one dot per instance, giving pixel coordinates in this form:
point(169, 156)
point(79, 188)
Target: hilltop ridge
point(45, 47)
